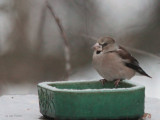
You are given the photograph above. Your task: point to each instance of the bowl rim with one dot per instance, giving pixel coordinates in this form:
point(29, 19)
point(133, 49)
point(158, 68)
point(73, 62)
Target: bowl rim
point(46, 85)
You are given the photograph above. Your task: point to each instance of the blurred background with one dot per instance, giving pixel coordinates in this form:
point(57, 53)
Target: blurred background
point(32, 49)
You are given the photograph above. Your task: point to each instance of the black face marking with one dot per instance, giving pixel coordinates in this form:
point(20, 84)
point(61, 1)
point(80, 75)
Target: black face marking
point(97, 52)
point(105, 44)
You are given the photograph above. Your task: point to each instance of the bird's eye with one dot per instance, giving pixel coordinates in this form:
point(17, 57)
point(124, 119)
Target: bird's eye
point(104, 44)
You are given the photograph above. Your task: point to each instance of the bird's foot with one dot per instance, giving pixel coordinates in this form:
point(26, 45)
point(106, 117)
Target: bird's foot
point(103, 81)
point(116, 83)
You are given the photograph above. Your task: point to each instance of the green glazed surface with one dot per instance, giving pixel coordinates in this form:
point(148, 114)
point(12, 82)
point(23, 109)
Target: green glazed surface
point(91, 100)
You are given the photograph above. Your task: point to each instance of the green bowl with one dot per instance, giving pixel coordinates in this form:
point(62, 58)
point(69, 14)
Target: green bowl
point(91, 100)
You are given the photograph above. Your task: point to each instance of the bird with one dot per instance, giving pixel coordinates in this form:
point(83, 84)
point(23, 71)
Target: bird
point(113, 62)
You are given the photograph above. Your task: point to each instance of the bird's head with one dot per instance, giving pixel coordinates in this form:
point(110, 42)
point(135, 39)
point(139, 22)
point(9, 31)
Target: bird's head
point(104, 44)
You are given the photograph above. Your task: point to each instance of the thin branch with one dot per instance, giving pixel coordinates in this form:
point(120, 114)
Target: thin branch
point(128, 48)
point(89, 37)
point(142, 52)
point(66, 44)
point(39, 44)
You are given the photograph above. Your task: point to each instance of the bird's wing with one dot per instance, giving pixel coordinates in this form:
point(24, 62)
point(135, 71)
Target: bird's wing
point(130, 61)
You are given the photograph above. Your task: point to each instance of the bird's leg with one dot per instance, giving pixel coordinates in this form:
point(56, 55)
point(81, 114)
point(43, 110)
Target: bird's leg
point(103, 81)
point(116, 83)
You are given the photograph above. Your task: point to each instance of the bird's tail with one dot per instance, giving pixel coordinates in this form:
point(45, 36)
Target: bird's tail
point(147, 75)
point(142, 72)
point(138, 69)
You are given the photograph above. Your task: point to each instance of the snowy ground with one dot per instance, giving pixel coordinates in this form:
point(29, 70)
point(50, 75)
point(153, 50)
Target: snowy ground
point(26, 107)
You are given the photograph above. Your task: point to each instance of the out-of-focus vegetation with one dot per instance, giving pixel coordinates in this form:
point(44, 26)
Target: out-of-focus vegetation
point(31, 47)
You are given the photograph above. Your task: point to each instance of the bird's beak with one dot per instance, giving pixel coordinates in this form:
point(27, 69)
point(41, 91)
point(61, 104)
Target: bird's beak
point(97, 47)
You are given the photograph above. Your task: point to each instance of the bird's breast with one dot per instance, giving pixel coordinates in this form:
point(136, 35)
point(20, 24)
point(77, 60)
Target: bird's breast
point(110, 66)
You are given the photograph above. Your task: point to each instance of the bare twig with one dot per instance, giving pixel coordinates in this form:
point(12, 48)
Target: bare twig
point(66, 44)
point(128, 48)
point(89, 37)
point(142, 52)
point(40, 32)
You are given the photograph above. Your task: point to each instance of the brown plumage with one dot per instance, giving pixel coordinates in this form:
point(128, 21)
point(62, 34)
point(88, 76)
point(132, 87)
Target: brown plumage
point(132, 62)
point(114, 62)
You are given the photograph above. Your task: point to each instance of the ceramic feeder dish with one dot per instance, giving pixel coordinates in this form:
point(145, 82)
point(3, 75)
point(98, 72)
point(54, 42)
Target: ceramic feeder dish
point(91, 100)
